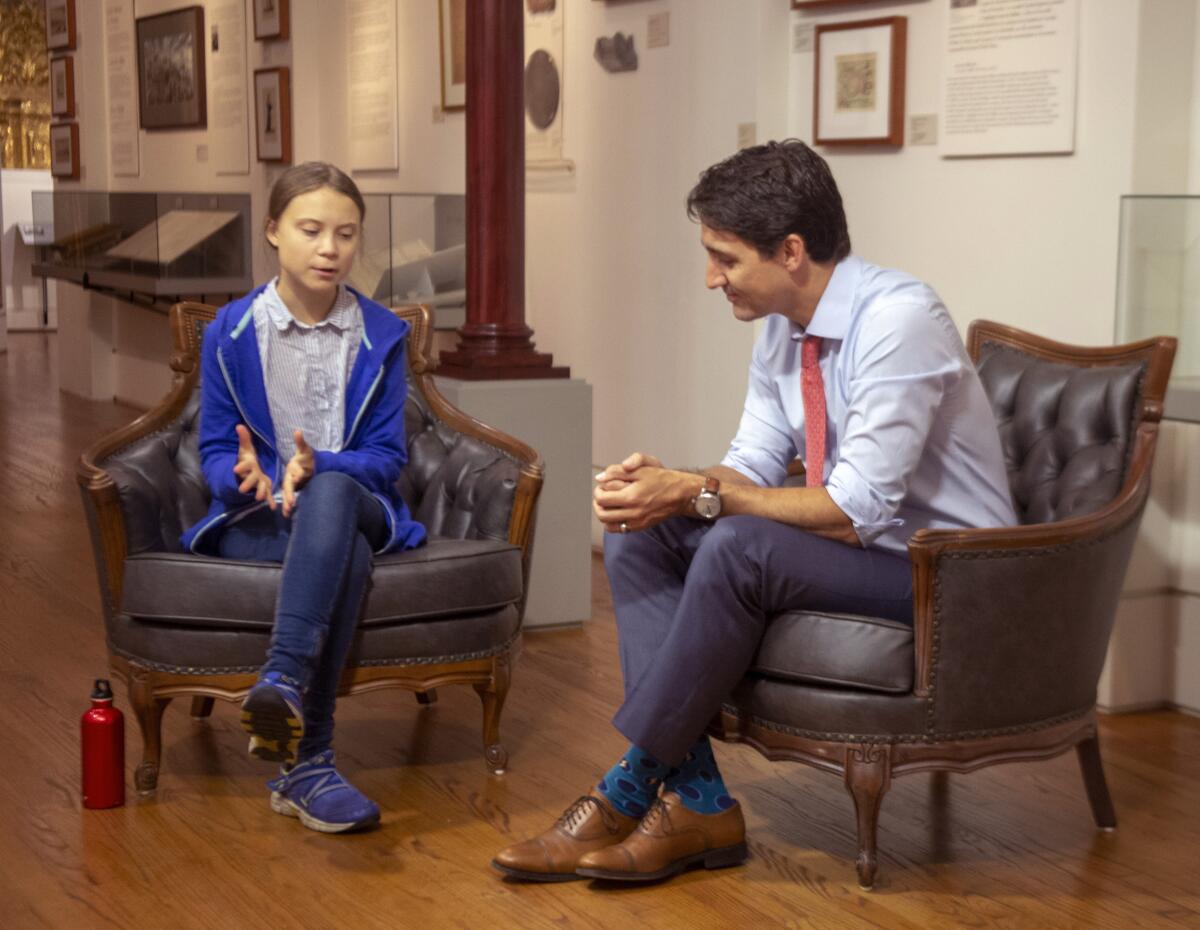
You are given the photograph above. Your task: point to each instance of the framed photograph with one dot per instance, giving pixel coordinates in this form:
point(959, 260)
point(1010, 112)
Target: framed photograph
point(273, 114)
point(858, 87)
point(62, 86)
point(171, 90)
point(452, 20)
point(271, 19)
point(60, 24)
point(64, 150)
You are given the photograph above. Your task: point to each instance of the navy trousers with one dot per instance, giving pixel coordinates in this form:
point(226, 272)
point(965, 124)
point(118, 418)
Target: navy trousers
point(692, 600)
point(325, 548)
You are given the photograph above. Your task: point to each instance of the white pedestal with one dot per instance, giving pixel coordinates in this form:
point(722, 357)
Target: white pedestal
point(553, 416)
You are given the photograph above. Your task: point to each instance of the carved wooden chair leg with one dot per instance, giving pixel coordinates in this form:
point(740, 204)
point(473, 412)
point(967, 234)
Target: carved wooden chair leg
point(1097, 787)
point(868, 777)
point(427, 697)
point(493, 694)
point(201, 707)
point(149, 711)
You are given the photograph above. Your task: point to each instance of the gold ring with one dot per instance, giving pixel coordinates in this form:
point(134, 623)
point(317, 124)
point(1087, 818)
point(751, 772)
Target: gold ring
point(624, 527)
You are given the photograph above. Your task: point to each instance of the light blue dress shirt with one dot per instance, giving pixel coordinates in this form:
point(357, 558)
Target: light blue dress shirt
point(911, 439)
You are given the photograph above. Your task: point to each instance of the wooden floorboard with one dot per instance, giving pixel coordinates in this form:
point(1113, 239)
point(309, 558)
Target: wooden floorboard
point(1007, 847)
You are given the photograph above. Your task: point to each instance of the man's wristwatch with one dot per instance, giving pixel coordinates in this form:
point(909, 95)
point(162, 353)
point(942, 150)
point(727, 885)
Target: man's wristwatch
point(707, 503)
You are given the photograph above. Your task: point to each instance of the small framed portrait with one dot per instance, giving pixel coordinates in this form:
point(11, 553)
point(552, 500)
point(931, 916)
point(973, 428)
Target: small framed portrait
point(62, 86)
point(273, 114)
point(859, 82)
point(270, 19)
point(64, 150)
point(171, 88)
point(452, 20)
point(60, 24)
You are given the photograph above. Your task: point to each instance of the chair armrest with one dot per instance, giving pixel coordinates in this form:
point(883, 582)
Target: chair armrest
point(101, 489)
point(1011, 624)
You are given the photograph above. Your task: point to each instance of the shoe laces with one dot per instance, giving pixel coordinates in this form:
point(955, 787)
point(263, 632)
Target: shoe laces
point(657, 812)
point(574, 815)
point(312, 778)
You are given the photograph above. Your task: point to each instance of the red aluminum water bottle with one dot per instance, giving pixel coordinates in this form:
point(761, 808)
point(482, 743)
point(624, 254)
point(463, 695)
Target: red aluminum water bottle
point(102, 732)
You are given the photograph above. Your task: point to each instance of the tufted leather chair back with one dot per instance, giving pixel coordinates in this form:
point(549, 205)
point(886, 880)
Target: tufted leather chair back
point(1067, 430)
point(456, 485)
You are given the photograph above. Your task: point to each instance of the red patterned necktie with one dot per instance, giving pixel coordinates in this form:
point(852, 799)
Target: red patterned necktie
point(812, 391)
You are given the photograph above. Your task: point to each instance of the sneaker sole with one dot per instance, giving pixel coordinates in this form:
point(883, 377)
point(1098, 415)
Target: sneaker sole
point(282, 805)
point(274, 725)
point(722, 858)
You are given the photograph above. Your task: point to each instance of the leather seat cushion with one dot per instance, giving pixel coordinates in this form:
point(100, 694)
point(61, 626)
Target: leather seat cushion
point(843, 650)
point(445, 577)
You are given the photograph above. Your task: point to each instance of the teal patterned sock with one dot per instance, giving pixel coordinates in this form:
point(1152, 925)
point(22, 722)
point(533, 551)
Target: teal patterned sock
point(698, 781)
point(632, 784)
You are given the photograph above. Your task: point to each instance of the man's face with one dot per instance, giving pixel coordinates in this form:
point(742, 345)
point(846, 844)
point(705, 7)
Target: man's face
point(755, 286)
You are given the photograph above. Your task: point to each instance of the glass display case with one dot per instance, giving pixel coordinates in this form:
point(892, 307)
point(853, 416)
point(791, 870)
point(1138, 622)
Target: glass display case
point(414, 251)
point(157, 244)
point(1158, 287)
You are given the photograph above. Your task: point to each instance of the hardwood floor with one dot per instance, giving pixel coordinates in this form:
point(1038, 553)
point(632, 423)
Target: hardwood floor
point(1012, 846)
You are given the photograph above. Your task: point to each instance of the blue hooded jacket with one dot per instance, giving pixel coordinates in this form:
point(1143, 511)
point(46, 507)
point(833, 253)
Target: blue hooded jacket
point(233, 391)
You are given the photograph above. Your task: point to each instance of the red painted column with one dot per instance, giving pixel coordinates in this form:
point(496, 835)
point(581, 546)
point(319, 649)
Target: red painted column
point(495, 342)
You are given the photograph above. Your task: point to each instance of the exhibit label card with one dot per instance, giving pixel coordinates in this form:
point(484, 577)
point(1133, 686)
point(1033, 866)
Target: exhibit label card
point(371, 57)
point(1009, 82)
point(229, 116)
point(120, 57)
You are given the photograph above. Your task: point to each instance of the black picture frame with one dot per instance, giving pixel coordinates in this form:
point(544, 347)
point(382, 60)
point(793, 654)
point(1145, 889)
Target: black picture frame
point(171, 81)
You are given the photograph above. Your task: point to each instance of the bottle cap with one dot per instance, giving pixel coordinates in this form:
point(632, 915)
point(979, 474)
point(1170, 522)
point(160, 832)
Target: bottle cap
point(102, 690)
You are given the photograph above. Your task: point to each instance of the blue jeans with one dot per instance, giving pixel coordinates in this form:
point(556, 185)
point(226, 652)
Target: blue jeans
point(325, 548)
point(692, 601)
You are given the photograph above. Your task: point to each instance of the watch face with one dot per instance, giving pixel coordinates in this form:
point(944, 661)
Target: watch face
point(708, 505)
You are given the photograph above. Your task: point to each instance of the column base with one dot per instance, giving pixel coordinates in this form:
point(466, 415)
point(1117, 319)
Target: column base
point(469, 366)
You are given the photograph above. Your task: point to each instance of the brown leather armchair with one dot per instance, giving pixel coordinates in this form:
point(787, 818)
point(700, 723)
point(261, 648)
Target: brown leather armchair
point(1011, 625)
point(181, 625)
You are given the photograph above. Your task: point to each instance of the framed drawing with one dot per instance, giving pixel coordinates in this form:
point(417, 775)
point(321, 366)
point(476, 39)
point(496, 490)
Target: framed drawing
point(170, 50)
point(808, 4)
point(60, 24)
point(273, 114)
point(452, 21)
point(271, 19)
point(62, 86)
point(64, 150)
point(858, 87)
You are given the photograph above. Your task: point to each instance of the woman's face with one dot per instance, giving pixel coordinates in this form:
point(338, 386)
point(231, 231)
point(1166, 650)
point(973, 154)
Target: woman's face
point(317, 238)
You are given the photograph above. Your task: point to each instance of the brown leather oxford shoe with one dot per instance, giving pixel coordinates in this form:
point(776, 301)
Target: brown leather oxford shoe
point(669, 839)
point(590, 823)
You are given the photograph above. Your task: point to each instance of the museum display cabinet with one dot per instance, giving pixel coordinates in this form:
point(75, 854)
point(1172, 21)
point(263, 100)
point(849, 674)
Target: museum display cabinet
point(159, 246)
point(1158, 286)
point(414, 252)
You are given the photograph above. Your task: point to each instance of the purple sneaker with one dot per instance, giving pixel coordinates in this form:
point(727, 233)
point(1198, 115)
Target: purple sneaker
point(273, 716)
point(315, 791)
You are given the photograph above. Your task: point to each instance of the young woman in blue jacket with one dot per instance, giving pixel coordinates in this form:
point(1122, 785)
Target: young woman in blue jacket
point(301, 442)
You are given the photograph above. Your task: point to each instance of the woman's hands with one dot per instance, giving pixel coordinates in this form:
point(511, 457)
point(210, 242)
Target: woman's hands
point(255, 480)
point(297, 473)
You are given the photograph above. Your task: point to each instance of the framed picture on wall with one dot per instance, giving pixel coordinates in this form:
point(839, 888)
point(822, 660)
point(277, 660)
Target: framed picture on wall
point(171, 89)
point(62, 86)
point(60, 24)
point(858, 88)
point(452, 20)
point(271, 19)
point(64, 150)
point(273, 114)
point(807, 4)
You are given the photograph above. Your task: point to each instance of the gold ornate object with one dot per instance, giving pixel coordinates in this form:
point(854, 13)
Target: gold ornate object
point(24, 86)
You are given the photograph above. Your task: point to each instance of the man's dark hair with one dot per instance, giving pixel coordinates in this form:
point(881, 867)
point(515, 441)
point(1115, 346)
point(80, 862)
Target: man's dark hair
point(765, 193)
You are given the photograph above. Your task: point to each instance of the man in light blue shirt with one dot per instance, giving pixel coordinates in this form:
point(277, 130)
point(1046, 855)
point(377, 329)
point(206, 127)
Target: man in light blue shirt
point(860, 372)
